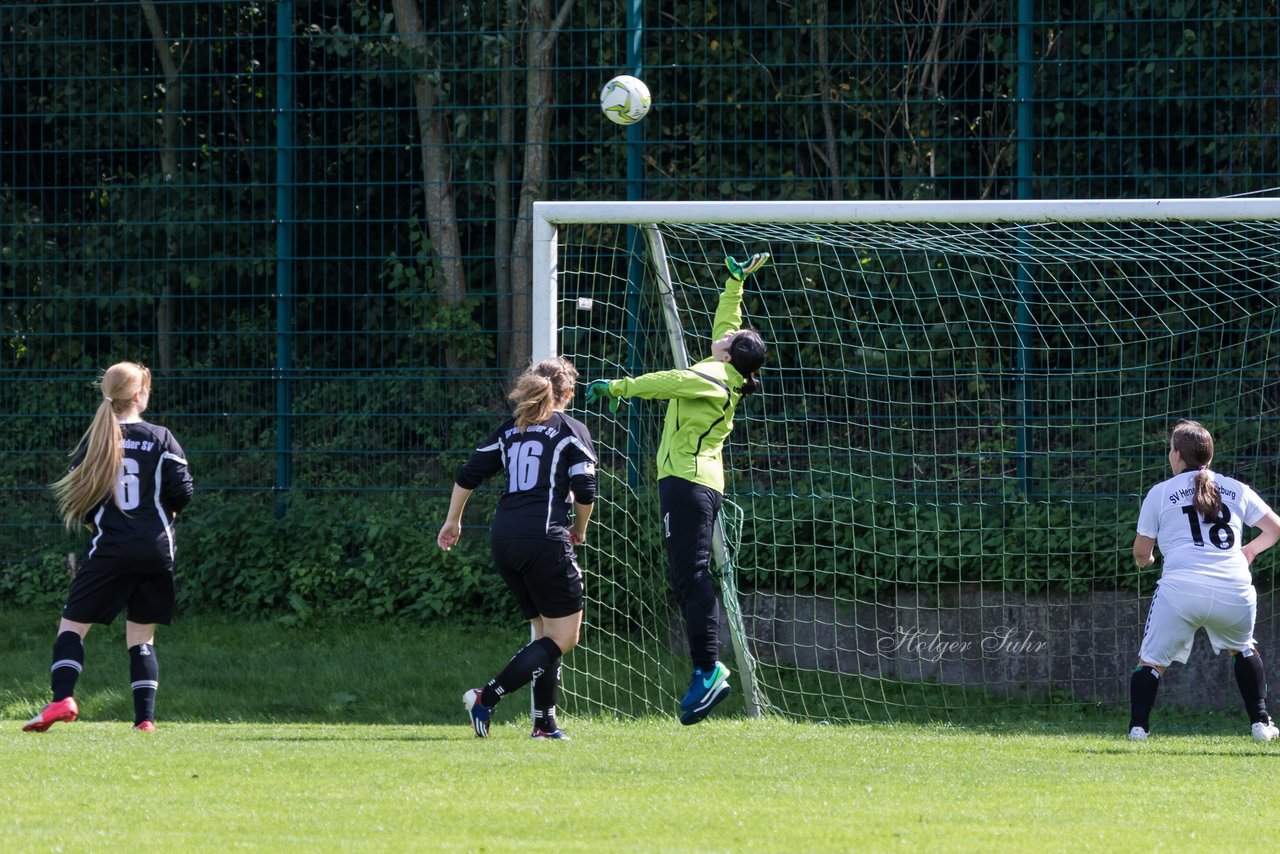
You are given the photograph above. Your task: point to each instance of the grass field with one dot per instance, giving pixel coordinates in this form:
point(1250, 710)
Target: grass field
point(352, 738)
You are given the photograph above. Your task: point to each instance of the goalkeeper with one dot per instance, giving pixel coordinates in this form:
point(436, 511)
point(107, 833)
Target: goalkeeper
point(703, 399)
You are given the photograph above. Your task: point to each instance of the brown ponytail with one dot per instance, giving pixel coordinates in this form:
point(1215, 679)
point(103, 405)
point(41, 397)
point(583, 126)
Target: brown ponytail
point(1195, 445)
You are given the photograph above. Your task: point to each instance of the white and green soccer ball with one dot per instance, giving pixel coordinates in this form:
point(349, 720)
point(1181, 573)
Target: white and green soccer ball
point(625, 99)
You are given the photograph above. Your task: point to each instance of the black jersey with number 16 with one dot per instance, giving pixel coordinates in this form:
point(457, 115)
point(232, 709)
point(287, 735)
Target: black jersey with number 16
point(547, 466)
point(133, 530)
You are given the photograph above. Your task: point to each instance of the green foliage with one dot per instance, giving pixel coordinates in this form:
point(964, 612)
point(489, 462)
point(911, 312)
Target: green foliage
point(755, 101)
point(625, 565)
point(369, 556)
point(39, 581)
point(859, 549)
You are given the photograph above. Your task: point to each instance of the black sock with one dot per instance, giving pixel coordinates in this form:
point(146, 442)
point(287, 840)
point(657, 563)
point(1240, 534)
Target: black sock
point(68, 661)
point(1252, 681)
point(545, 689)
point(1143, 685)
point(526, 664)
point(145, 673)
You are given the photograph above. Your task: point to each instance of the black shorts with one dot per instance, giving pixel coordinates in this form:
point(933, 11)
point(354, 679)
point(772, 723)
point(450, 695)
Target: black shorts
point(543, 576)
point(689, 513)
point(98, 595)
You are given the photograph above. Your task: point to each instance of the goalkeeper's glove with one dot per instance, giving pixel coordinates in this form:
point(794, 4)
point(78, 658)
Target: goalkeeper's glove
point(599, 390)
point(741, 269)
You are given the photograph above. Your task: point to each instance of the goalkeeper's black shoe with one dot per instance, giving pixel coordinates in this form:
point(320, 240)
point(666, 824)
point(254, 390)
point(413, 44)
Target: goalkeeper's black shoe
point(696, 713)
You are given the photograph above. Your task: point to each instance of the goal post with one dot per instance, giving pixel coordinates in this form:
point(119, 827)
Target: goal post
point(929, 506)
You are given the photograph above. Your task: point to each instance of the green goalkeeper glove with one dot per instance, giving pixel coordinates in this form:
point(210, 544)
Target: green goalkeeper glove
point(599, 390)
point(741, 269)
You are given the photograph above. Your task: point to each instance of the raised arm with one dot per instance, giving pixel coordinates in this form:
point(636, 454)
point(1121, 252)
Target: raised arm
point(686, 383)
point(729, 309)
point(668, 385)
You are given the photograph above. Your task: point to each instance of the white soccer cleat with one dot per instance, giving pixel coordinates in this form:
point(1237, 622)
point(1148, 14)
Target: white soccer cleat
point(1265, 731)
point(1137, 734)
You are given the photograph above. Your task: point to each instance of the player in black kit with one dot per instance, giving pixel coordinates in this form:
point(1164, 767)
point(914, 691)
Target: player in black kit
point(549, 462)
point(127, 482)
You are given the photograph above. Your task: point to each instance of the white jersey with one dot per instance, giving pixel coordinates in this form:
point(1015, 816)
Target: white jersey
point(1209, 549)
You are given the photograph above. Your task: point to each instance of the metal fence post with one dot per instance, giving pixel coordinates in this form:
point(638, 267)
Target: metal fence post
point(284, 251)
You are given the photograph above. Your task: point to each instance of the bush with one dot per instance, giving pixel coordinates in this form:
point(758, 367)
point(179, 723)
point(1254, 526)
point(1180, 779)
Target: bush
point(328, 556)
point(374, 555)
point(333, 556)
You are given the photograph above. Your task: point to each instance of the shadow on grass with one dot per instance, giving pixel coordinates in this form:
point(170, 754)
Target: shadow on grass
point(259, 671)
point(1184, 748)
point(395, 673)
point(343, 736)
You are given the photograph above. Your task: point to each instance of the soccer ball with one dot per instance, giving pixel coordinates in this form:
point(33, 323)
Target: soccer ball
point(625, 100)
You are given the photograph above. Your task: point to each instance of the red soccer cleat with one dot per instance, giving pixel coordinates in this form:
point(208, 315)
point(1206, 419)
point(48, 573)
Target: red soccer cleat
point(145, 726)
point(63, 710)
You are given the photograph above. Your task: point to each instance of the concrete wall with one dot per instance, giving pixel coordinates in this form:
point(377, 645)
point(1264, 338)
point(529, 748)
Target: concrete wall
point(1082, 646)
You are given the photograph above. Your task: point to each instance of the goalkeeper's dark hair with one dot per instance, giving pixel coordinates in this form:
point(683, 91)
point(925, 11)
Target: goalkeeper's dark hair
point(541, 389)
point(1195, 444)
point(747, 354)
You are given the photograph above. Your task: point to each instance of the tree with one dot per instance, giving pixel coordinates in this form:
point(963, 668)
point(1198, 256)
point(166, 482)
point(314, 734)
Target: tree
point(170, 171)
point(540, 34)
point(438, 192)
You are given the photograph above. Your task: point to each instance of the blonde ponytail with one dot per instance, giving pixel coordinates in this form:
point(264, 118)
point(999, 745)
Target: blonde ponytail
point(533, 399)
point(90, 483)
point(541, 389)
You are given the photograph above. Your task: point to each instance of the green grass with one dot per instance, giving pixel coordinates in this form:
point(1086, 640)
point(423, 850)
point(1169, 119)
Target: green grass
point(219, 670)
point(727, 785)
point(352, 738)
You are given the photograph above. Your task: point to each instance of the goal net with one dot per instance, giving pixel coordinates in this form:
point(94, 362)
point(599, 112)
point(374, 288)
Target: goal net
point(930, 505)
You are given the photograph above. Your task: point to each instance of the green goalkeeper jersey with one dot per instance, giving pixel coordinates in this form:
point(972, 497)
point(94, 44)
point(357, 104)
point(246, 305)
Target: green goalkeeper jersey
point(702, 398)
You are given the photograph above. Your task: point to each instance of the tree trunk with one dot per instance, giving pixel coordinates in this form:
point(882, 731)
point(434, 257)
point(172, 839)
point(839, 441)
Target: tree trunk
point(830, 151)
point(542, 32)
point(503, 206)
point(441, 204)
point(169, 166)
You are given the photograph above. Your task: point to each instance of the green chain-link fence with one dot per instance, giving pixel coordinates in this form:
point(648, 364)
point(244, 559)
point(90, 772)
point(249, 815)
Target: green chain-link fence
point(310, 218)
